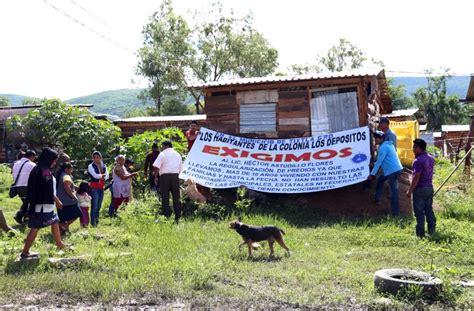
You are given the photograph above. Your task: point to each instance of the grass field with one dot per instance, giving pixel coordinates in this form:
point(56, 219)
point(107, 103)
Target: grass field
point(197, 262)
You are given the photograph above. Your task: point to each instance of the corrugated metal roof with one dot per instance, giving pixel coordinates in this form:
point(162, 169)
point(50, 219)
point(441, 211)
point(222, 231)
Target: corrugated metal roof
point(401, 113)
point(197, 117)
point(455, 128)
point(269, 79)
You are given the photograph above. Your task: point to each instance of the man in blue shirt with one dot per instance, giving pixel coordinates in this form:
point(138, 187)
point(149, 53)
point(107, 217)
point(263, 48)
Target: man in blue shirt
point(387, 159)
point(384, 126)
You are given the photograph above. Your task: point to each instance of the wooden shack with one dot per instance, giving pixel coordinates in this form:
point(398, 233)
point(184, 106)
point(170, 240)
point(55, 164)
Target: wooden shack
point(137, 125)
point(296, 106)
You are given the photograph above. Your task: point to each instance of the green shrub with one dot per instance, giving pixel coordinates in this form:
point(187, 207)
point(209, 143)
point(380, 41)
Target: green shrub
point(139, 145)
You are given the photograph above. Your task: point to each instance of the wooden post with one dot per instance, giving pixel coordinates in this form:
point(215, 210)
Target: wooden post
point(468, 163)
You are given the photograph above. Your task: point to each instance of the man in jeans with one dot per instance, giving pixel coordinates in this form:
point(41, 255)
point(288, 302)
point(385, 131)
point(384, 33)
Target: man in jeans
point(167, 166)
point(387, 159)
point(21, 172)
point(422, 188)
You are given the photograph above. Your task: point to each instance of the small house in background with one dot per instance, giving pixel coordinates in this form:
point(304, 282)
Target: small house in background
point(454, 139)
point(11, 142)
point(137, 125)
point(296, 106)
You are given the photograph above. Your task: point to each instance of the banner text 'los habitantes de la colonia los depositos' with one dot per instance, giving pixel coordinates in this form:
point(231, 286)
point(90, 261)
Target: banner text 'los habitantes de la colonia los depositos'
point(297, 165)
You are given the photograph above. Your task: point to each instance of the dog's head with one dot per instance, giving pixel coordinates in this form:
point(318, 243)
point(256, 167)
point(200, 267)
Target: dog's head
point(190, 181)
point(236, 224)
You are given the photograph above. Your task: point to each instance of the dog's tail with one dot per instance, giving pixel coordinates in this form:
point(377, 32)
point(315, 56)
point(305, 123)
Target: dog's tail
point(281, 231)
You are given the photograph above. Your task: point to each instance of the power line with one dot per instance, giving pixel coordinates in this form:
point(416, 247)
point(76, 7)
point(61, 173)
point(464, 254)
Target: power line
point(87, 27)
point(88, 12)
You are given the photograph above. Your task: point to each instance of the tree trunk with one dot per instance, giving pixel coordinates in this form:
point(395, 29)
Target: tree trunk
point(158, 105)
point(3, 222)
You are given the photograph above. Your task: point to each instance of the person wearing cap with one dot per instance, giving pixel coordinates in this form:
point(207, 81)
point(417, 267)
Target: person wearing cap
point(98, 175)
point(167, 166)
point(21, 171)
point(148, 167)
point(387, 159)
point(384, 126)
point(192, 134)
point(421, 188)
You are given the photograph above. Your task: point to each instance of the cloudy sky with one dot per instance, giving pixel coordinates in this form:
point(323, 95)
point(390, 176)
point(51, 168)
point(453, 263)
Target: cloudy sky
point(43, 52)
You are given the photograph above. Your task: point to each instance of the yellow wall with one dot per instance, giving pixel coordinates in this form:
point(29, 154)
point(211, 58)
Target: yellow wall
point(406, 132)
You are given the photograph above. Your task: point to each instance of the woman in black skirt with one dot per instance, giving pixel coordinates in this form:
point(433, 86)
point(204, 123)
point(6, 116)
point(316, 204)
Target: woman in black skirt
point(66, 193)
point(42, 199)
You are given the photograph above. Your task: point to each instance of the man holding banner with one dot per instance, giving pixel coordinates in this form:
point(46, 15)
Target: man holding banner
point(387, 159)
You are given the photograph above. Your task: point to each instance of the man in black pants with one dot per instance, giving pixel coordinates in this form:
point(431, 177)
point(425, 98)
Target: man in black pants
point(21, 171)
point(167, 166)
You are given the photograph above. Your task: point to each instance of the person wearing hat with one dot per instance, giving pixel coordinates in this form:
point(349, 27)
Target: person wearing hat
point(98, 175)
point(167, 166)
point(384, 126)
point(148, 167)
point(387, 159)
point(421, 188)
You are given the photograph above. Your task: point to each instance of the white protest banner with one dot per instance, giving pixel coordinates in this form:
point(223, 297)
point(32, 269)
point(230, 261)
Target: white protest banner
point(296, 165)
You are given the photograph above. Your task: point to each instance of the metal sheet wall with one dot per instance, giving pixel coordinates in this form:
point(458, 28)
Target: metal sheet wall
point(255, 118)
point(334, 112)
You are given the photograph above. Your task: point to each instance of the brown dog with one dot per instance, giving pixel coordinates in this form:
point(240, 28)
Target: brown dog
point(252, 234)
point(192, 191)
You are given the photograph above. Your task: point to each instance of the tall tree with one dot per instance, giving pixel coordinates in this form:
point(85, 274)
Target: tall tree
point(5, 101)
point(165, 53)
point(220, 46)
point(439, 108)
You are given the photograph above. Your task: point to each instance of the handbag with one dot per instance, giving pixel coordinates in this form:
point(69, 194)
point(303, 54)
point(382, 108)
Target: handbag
point(12, 192)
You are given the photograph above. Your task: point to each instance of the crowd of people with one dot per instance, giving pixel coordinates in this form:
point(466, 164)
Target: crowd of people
point(50, 197)
point(48, 185)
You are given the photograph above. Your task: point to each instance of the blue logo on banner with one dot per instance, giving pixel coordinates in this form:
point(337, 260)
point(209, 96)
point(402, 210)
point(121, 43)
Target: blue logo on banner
point(358, 158)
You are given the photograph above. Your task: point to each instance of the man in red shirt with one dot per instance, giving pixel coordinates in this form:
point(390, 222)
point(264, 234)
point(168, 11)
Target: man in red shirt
point(192, 134)
point(148, 169)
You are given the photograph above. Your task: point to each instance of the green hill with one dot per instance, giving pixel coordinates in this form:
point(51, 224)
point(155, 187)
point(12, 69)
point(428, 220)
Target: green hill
point(116, 102)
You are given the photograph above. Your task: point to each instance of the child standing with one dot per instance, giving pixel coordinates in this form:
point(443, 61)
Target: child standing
point(84, 200)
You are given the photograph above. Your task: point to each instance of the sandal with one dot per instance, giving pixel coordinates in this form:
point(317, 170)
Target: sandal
point(29, 255)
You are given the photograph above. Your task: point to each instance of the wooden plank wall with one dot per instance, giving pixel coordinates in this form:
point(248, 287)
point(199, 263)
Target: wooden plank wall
point(293, 114)
point(222, 113)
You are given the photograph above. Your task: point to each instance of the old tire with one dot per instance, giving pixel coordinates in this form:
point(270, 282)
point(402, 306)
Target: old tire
point(393, 280)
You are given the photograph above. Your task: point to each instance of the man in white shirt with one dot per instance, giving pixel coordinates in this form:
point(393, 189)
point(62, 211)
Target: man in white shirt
point(21, 172)
point(167, 166)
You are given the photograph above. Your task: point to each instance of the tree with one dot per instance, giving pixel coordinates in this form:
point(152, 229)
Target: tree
point(69, 128)
point(344, 56)
point(5, 101)
point(165, 53)
point(175, 106)
point(30, 101)
point(220, 46)
point(400, 100)
point(439, 108)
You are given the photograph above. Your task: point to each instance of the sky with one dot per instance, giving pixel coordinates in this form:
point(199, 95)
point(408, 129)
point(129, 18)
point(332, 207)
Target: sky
point(44, 53)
